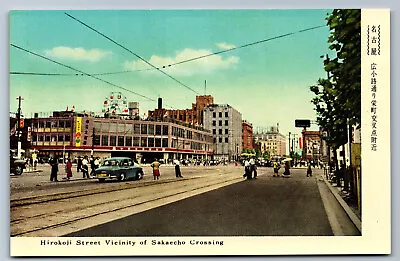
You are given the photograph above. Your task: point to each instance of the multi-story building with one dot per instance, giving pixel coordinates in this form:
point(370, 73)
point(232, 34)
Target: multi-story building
point(77, 134)
point(312, 146)
point(193, 116)
point(272, 142)
point(247, 135)
point(225, 124)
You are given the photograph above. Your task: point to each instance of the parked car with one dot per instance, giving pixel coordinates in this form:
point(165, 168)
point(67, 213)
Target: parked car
point(120, 168)
point(17, 166)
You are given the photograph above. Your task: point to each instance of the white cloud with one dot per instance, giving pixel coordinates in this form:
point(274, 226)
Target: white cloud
point(208, 64)
point(225, 46)
point(77, 54)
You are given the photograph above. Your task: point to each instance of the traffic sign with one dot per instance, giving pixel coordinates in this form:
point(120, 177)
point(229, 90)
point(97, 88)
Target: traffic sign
point(302, 123)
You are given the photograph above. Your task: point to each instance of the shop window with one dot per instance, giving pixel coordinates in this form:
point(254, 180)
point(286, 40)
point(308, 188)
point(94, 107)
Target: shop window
point(135, 141)
point(113, 140)
point(143, 129)
point(136, 128)
point(158, 129)
point(165, 143)
point(128, 141)
point(151, 129)
point(150, 142)
point(120, 141)
point(104, 140)
point(143, 142)
point(165, 129)
point(96, 140)
point(158, 142)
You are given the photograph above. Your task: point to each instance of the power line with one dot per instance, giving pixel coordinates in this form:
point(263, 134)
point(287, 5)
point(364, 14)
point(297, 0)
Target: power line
point(74, 74)
point(246, 45)
point(87, 74)
point(184, 61)
point(123, 47)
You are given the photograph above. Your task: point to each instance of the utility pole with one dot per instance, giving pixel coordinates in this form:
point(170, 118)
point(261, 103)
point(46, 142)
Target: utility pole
point(289, 142)
point(19, 130)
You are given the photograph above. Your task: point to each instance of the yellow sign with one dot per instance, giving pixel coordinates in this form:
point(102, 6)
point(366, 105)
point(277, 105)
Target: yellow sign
point(78, 131)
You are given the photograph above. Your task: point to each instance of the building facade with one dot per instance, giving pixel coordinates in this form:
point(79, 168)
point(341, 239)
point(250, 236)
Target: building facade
point(225, 124)
point(271, 142)
point(74, 134)
point(247, 135)
point(193, 116)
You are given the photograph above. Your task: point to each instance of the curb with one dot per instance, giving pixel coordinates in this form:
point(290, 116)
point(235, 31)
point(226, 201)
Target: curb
point(356, 221)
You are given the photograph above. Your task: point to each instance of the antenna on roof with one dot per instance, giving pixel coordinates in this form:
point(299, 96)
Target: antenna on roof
point(205, 87)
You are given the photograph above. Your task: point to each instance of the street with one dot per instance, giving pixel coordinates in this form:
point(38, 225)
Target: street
point(208, 201)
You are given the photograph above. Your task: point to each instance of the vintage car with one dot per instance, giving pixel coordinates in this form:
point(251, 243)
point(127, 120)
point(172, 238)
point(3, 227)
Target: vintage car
point(120, 168)
point(17, 166)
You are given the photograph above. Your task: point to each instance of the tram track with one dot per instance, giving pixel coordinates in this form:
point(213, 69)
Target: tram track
point(74, 194)
point(81, 213)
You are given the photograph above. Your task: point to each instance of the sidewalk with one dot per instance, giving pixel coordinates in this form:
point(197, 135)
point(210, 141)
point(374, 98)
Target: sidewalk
point(349, 205)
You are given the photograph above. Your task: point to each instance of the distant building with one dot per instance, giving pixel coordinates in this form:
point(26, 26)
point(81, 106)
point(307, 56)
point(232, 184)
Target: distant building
point(271, 141)
point(192, 116)
point(247, 135)
point(225, 124)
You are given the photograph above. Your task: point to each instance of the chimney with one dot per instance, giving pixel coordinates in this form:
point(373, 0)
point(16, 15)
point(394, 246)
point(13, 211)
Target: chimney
point(159, 103)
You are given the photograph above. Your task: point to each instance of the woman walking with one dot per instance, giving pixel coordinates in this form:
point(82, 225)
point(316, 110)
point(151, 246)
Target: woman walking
point(69, 169)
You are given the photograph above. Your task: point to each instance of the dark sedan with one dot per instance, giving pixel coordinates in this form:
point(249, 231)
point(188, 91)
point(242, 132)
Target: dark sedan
point(120, 168)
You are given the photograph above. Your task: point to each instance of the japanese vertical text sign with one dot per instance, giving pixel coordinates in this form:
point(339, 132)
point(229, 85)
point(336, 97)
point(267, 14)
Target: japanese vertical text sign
point(78, 131)
point(375, 127)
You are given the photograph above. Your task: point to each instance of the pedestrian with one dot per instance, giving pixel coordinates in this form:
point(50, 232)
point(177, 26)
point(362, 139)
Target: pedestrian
point(177, 169)
point(85, 167)
point(54, 169)
point(92, 166)
point(287, 169)
point(277, 166)
point(253, 167)
point(156, 169)
point(309, 171)
point(96, 163)
point(79, 164)
point(247, 169)
point(69, 169)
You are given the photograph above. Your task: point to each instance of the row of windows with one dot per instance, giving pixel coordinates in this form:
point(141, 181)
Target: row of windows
point(114, 127)
point(51, 138)
point(128, 141)
point(220, 114)
point(52, 124)
point(220, 140)
point(214, 123)
point(121, 141)
point(220, 131)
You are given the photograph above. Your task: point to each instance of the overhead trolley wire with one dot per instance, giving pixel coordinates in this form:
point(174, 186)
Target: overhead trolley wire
point(87, 74)
point(123, 47)
point(191, 59)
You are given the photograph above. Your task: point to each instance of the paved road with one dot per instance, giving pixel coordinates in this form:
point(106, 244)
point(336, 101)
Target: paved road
point(267, 206)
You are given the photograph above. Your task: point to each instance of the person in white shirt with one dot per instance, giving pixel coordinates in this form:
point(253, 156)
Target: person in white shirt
point(85, 167)
point(247, 170)
point(177, 169)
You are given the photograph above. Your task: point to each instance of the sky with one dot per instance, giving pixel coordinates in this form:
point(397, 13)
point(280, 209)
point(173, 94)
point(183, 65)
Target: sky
point(267, 82)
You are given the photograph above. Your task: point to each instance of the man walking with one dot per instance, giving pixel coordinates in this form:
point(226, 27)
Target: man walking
point(253, 167)
point(85, 167)
point(177, 169)
point(54, 169)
